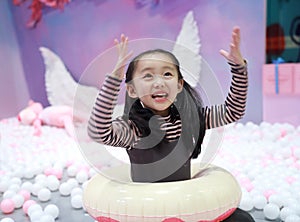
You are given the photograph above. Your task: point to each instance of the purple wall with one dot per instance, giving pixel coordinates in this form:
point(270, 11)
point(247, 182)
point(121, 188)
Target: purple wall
point(13, 88)
point(87, 28)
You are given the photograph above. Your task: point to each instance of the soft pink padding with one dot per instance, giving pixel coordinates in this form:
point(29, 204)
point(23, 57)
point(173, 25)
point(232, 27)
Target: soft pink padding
point(221, 217)
point(106, 219)
point(175, 219)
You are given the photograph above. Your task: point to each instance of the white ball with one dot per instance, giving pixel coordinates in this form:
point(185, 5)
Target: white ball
point(82, 176)
point(18, 200)
point(259, 201)
point(276, 199)
point(46, 218)
point(65, 189)
point(35, 215)
point(7, 219)
point(44, 194)
point(36, 188)
point(72, 171)
point(16, 180)
point(292, 218)
point(73, 183)
point(246, 203)
point(33, 208)
point(52, 210)
point(14, 187)
point(76, 201)
point(271, 211)
point(27, 186)
point(4, 185)
point(285, 212)
point(40, 177)
point(93, 172)
point(9, 194)
point(76, 191)
point(53, 183)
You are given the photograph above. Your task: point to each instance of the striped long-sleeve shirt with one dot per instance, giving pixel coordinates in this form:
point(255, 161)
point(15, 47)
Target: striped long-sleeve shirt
point(104, 129)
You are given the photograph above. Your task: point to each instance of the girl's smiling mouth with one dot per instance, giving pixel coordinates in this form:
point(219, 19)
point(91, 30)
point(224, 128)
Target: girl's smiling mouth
point(160, 96)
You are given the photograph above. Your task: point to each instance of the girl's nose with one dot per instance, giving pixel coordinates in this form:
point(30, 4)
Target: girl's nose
point(158, 81)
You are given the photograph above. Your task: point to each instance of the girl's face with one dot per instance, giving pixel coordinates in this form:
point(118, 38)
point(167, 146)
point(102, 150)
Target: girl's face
point(155, 82)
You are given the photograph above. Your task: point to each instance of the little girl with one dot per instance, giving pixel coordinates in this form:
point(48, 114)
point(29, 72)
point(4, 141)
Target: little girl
point(164, 120)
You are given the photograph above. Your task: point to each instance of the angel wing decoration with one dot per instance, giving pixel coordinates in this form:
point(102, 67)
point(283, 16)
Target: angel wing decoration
point(61, 87)
point(187, 49)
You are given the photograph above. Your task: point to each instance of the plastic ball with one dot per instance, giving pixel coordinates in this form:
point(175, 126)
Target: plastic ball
point(292, 218)
point(82, 176)
point(76, 201)
point(44, 194)
point(259, 202)
point(14, 187)
point(52, 210)
point(72, 171)
point(27, 186)
point(7, 219)
point(73, 183)
point(7, 206)
point(16, 180)
point(26, 194)
point(76, 191)
point(18, 200)
point(246, 203)
point(65, 189)
point(53, 183)
point(46, 218)
point(27, 204)
point(9, 194)
point(36, 188)
point(271, 211)
point(35, 215)
point(4, 186)
point(285, 212)
point(34, 208)
point(276, 199)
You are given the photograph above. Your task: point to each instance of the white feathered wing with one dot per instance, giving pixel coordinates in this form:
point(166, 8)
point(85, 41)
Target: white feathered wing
point(187, 50)
point(62, 89)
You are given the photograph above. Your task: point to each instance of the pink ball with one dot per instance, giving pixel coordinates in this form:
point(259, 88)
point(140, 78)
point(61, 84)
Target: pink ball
point(58, 173)
point(7, 206)
point(26, 194)
point(27, 204)
point(48, 171)
point(268, 193)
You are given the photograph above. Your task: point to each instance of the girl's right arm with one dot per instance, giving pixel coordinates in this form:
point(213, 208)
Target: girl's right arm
point(101, 127)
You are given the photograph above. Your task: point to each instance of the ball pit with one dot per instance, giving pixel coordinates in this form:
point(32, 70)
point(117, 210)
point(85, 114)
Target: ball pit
point(264, 158)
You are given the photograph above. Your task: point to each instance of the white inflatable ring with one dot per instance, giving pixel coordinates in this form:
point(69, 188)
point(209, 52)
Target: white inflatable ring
point(211, 195)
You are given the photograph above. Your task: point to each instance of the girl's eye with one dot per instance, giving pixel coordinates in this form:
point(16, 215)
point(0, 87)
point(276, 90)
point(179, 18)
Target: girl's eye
point(148, 76)
point(168, 75)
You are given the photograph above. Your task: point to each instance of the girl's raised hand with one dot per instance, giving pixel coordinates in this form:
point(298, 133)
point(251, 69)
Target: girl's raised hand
point(234, 55)
point(119, 70)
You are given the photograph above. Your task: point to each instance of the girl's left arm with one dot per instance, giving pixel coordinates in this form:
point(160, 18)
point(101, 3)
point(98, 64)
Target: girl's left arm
point(235, 104)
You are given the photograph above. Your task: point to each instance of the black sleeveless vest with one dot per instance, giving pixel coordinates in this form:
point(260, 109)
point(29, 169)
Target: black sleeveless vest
point(153, 158)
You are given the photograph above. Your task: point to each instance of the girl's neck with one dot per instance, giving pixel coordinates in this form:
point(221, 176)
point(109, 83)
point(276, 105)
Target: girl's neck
point(163, 113)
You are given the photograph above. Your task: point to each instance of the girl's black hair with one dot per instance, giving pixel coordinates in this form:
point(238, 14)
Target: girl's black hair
point(188, 102)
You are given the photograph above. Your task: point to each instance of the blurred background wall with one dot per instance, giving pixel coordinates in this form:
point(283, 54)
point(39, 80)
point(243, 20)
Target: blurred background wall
point(86, 28)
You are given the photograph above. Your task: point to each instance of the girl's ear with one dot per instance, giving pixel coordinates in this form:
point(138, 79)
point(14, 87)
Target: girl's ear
point(180, 85)
point(131, 91)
